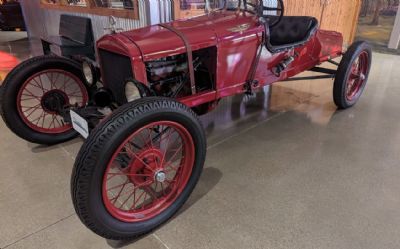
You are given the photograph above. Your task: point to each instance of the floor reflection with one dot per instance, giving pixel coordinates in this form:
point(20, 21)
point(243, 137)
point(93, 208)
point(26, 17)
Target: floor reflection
point(236, 113)
point(14, 47)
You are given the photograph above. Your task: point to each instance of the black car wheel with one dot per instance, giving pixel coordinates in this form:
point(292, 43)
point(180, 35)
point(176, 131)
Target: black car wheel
point(34, 93)
point(138, 167)
point(352, 75)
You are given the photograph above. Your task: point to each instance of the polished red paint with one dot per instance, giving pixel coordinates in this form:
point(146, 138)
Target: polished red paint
point(236, 50)
point(126, 199)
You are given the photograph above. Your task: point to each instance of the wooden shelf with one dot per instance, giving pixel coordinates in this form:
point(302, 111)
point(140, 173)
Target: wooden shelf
point(122, 13)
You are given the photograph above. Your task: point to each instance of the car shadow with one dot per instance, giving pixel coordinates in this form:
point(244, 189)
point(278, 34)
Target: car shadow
point(209, 179)
point(35, 148)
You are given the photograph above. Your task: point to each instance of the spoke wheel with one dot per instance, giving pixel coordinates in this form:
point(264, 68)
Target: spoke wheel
point(148, 171)
point(357, 76)
point(352, 75)
point(45, 94)
point(35, 96)
point(138, 167)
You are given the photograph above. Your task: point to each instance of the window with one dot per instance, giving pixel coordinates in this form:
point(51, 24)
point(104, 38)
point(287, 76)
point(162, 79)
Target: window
point(190, 8)
point(117, 8)
point(76, 3)
point(114, 4)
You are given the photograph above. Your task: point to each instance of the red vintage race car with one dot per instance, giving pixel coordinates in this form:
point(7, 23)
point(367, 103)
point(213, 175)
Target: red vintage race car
point(140, 102)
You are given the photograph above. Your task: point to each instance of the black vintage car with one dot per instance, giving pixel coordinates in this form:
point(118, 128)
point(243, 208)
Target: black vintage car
point(11, 17)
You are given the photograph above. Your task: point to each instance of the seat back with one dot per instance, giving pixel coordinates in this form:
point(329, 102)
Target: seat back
point(76, 28)
point(292, 30)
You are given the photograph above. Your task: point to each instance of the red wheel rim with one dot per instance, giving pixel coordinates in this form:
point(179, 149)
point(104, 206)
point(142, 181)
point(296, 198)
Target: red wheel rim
point(148, 171)
point(357, 77)
point(36, 92)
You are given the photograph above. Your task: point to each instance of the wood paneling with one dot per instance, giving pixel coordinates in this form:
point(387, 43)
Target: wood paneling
point(337, 15)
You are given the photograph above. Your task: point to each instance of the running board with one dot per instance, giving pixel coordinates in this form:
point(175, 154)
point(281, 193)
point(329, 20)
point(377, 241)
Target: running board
point(329, 74)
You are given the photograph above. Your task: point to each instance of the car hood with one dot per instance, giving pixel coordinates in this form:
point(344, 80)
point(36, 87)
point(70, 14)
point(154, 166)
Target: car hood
point(157, 42)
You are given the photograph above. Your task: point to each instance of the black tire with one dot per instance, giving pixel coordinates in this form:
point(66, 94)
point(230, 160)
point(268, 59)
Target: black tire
point(97, 151)
point(12, 85)
point(344, 70)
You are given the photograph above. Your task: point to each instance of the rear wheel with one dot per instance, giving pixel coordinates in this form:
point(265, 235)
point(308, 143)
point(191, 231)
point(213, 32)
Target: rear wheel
point(352, 75)
point(36, 92)
point(138, 168)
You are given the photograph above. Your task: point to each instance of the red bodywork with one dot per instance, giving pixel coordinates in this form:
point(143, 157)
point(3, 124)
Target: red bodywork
point(236, 50)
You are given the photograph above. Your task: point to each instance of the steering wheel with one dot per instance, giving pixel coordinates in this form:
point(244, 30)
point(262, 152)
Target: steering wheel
point(260, 8)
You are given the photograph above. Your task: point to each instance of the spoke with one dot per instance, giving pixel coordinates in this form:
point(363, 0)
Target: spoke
point(37, 119)
point(151, 192)
point(58, 75)
point(166, 147)
point(37, 85)
point(126, 174)
point(354, 76)
point(145, 143)
point(40, 85)
point(135, 187)
point(117, 186)
point(133, 154)
point(30, 108)
point(170, 181)
point(68, 79)
point(31, 94)
point(144, 199)
point(30, 113)
point(44, 118)
point(41, 82)
point(162, 189)
point(135, 200)
point(28, 98)
point(120, 191)
point(58, 122)
point(52, 122)
point(173, 156)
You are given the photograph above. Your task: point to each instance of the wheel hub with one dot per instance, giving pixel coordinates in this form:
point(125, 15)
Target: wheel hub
point(160, 176)
point(145, 167)
point(54, 101)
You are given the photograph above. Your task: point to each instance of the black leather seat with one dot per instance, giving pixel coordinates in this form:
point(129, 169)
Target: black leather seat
point(291, 31)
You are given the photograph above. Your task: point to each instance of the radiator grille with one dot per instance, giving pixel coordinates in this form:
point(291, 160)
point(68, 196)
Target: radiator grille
point(116, 69)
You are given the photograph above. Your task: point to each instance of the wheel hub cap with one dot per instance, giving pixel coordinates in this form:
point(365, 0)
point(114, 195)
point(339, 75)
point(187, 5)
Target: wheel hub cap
point(160, 176)
point(53, 101)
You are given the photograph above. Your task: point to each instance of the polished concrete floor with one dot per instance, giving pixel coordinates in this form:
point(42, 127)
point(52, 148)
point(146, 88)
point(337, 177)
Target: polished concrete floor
point(284, 170)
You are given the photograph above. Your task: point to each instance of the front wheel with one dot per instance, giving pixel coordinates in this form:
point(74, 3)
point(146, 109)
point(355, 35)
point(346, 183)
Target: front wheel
point(138, 168)
point(352, 75)
point(36, 92)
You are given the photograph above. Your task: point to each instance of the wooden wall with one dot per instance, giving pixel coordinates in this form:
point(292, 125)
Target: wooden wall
point(337, 15)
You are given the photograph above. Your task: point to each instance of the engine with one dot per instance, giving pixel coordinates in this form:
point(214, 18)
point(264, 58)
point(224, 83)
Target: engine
point(169, 76)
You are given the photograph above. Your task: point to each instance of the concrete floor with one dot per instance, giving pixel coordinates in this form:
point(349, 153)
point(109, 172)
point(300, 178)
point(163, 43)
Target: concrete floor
point(15, 43)
point(284, 170)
